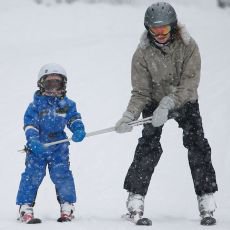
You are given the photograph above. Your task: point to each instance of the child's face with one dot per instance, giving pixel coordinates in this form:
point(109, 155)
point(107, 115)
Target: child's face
point(53, 85)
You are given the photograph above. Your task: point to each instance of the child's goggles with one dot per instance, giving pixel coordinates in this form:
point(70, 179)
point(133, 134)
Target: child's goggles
point(53, 84)
point(160, 30)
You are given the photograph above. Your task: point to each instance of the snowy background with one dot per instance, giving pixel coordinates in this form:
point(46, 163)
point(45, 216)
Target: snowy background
point(95, 43)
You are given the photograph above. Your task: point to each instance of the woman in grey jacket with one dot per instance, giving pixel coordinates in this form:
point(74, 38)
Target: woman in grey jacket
point(165, 77)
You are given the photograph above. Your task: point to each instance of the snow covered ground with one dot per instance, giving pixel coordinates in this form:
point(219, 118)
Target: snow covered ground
point(95, 43)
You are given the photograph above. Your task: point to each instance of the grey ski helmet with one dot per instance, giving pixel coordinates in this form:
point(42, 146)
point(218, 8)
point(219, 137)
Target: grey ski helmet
point(160, 14)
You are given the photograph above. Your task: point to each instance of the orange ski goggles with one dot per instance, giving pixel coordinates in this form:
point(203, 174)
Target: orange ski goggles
point(160, 30)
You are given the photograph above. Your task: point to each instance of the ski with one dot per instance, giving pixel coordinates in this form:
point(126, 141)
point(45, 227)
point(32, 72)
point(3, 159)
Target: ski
point(65, 218)
point(207, 221)
point(31, 221)
point(136, 219)
point(34, 221)
point(62, 219)
point(144, 221)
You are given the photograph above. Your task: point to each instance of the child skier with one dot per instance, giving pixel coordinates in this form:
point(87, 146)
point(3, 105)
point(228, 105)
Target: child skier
point(44, 122)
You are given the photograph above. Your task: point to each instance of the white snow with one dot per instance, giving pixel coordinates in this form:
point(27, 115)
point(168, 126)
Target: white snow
point(95, 43)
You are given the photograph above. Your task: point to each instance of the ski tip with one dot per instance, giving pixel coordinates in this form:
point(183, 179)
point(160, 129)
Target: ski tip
point(62, 220)
point(207, 221)
point(137, 221)
point(144, 221)
point(35, 221)
point(32, 221)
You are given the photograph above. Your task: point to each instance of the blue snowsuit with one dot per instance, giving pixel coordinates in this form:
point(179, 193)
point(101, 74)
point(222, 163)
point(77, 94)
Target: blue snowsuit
point(46, 118)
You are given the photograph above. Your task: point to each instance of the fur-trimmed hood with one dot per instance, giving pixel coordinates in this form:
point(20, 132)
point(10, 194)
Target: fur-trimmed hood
point(185, 36)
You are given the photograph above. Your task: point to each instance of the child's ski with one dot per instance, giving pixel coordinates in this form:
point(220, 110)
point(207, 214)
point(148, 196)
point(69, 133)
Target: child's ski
point(63, 219)
point(31, 221)
point(34, 221)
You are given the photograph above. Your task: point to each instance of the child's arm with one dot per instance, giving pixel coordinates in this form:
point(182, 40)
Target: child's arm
point(31, 129)
point(31, 126)
point(75, 124)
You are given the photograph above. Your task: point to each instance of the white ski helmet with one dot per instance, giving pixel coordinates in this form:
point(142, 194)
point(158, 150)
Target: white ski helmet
point(51, 68)
point(48, 69)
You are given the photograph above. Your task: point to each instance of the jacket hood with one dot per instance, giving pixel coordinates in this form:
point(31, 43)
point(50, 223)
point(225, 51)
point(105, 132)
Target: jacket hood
point(185, 36)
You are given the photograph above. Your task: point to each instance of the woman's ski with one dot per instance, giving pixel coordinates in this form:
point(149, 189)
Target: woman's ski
point(136, 219)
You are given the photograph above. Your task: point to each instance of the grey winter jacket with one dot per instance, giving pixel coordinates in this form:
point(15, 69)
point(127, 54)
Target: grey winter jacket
point(173, 70)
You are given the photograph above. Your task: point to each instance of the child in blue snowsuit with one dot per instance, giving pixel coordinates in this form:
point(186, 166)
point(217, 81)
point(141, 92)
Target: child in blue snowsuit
point(44, 121)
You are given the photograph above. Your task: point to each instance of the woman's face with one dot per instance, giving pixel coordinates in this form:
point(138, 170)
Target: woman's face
point(161, 33)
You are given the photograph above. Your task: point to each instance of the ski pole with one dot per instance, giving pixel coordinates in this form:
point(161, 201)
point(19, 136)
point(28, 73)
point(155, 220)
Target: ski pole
point(103, 131)
point(98, 132)
point(143, 121)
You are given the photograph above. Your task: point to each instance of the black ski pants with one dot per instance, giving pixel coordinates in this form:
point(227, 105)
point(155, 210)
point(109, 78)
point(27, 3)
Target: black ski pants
point(148, 152)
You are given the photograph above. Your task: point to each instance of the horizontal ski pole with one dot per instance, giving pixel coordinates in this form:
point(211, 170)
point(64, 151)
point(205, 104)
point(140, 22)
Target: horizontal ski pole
point(103, 131)
point(143, 121)
point(57, 142)
point(98, 132)
point(146, 120)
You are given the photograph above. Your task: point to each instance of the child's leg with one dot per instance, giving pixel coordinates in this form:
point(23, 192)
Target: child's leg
point(31, 179)
point(61, 175)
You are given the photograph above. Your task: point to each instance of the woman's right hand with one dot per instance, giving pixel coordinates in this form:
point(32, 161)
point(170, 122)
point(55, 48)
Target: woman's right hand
point(122, 126)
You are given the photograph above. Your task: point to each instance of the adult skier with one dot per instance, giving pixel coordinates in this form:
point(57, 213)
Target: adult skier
point(165, 76)
point(44, 121)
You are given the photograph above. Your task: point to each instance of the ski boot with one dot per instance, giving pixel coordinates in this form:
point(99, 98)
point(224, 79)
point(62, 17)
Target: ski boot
point(135, 206)
point(67, 210)
point(26, 215)
point(207, 206)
